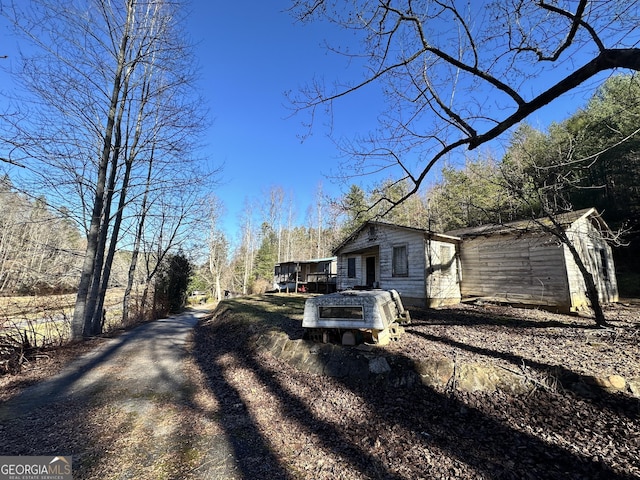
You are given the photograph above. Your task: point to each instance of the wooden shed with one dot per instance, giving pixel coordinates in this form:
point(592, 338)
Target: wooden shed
point(313, 275)
point(421, 265)
point(520, 263)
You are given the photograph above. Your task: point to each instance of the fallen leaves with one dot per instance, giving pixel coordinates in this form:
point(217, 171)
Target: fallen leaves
point(250, 415)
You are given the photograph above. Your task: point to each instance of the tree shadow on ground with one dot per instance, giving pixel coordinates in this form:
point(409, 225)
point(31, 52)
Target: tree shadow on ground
point(581, 386)
point(469, 317)
point(434, 420)
point(97, 410)
point(254, 457)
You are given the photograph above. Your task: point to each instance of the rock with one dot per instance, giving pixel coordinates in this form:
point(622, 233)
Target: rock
point(435, 372)
point(475, 378)
point(277, 343)
point(610, 383)
point(379, 365)
point(288, 350)
point(617, 382)
point(335, 367)
point(634, 386)
point(512, 383)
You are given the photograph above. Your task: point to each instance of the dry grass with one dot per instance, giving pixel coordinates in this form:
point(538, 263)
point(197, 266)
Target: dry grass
point(30, 326)
point(20, 308)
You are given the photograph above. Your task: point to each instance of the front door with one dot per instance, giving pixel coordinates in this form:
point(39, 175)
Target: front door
point(370, 263)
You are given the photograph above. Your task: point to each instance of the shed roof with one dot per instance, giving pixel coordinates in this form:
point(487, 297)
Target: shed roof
point(531, 225)
point(428, 234)
point(312, 260)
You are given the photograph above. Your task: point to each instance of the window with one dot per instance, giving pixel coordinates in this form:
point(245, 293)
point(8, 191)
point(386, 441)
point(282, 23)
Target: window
point(351, 267)
point(604, 263)
point(400, 264)
point(346, 312)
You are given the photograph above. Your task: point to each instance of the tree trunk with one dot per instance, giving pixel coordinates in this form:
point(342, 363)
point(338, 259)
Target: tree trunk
point(592, 290)
point(79, 328)
point(98, 317)
point(136, 245)
point(95, 301)
point(93, 312)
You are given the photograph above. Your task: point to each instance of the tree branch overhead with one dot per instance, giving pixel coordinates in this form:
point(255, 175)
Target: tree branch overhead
point(465, 74)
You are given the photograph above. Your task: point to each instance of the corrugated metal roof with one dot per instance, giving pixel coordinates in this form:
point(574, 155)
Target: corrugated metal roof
point(312, 260)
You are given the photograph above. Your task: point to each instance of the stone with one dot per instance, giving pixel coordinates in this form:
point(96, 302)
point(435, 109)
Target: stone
point(435, 372)
point(348, 338)
point(313, 364)
point(634, 386)
point(288, 350)
point(611, 383)
point(511, 382)
point(474, 378)
point(617, 382)
point(379, 365)
point(278, 343)
point(336, 367)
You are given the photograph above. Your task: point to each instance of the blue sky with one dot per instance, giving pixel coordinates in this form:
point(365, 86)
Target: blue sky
point(250, 54)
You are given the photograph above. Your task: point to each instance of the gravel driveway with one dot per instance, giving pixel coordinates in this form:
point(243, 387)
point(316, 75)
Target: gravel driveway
point(145, 359)
point(124, 407)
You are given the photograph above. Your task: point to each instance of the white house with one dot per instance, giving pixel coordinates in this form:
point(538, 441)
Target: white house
point(422, 266)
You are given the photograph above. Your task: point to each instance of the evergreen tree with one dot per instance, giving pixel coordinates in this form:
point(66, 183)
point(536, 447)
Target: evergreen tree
point(172, 283)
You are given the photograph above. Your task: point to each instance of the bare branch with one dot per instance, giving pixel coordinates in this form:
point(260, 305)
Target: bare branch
point(606, 60)
point(576, 22)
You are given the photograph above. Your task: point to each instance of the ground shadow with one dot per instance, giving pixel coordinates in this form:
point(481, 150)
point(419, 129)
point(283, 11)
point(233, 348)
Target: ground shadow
point(580, 385)
point(461, 316)
point(437, 420)
point(90, 407)
point(222, 337)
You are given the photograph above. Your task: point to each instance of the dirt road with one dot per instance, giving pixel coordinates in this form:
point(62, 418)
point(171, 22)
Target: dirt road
point(121, 409)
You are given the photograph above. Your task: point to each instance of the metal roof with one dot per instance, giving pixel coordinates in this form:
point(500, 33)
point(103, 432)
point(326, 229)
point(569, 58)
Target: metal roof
point(565, 219)
point(429, 234)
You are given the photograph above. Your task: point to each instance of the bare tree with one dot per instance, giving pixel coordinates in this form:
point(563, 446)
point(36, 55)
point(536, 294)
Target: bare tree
point(540, 174)
point(289, 229)
point(38, 246)
point(218, 246)
point(116, 83)
point(320, 221)
point(459, 74)
point(247, 248)
point(272, 214)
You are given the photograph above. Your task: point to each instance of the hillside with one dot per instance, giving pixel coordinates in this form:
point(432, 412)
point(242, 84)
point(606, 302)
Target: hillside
point(248, 409)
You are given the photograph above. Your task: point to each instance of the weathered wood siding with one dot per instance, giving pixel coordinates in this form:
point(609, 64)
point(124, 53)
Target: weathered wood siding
point(411, 287)
point(597, 256)
point(380, 242)
point(443, 280)
point(343, 282)
point(529, 269)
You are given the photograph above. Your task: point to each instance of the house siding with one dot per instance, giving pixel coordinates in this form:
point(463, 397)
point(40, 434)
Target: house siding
point(343, 281)
point(597, 256)
point(527, 270)
point(443, 274)
point(380, 243)
point(535, 268)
